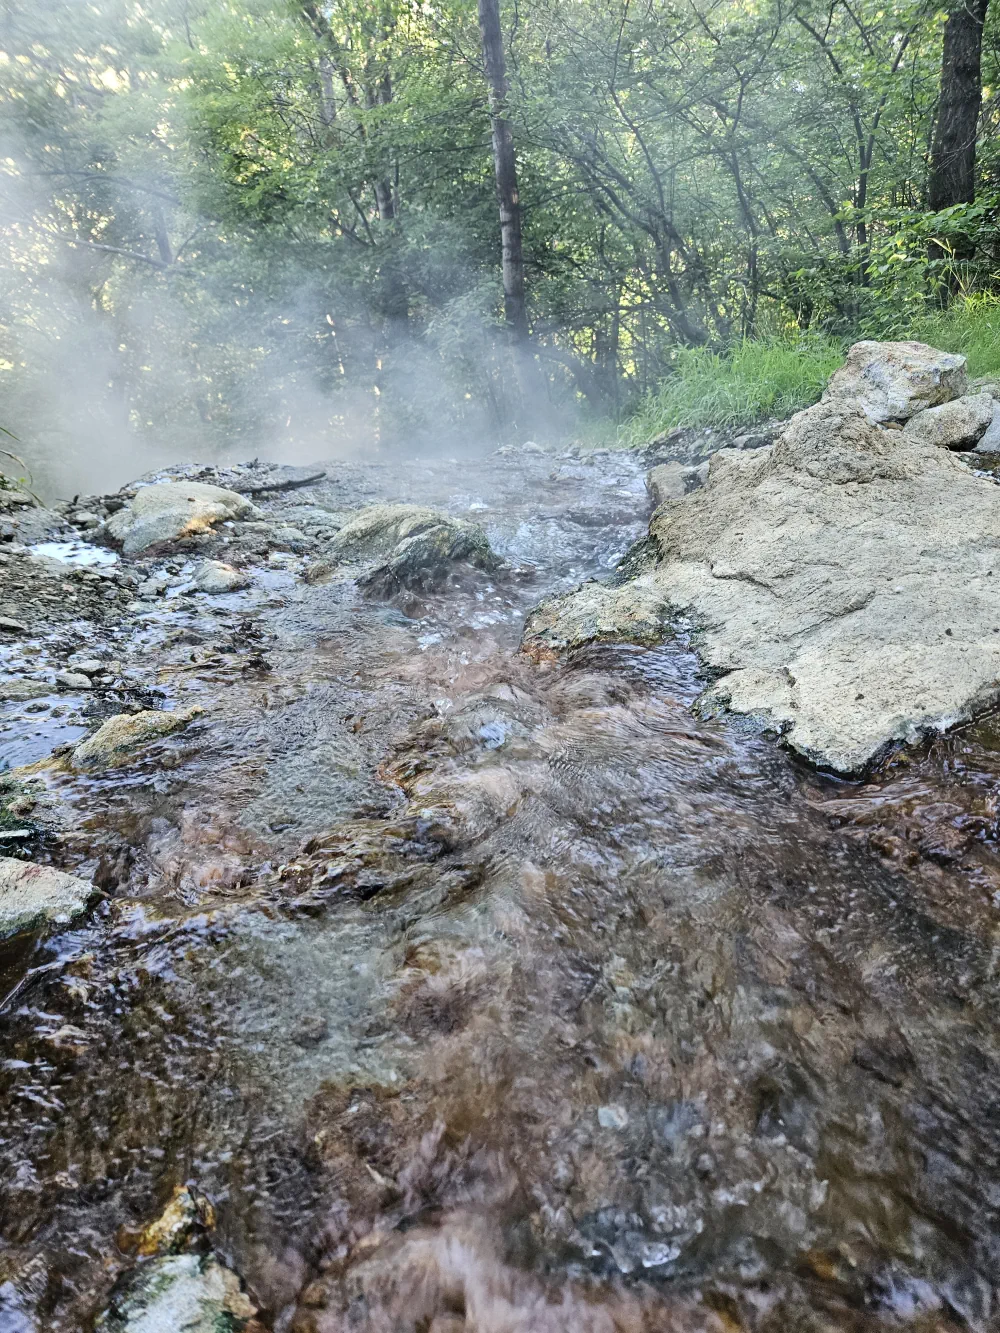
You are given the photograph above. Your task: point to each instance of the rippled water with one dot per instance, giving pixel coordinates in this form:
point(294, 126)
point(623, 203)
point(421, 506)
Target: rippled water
point(478, 995)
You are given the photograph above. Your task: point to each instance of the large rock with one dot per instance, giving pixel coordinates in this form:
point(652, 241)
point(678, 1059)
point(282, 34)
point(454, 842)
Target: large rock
point(170, 510)
point(182, 1293)
point(846, 580)
point(409, 547)
point(32, 896)
point(960, 424)
point(893, 381)
point(116, 740)
point(989, 441)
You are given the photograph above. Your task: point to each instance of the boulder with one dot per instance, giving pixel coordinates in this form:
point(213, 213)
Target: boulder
point(667, 481)
point(989, 441)
point(32, 896)
point(846, 582)
point(73, 680)
point(117, 739)
point(212, 576)
point(893, 381)
point(960, 424)
point(168, 510)
point(20, 691)
point(180, 1292)
point(407, 546)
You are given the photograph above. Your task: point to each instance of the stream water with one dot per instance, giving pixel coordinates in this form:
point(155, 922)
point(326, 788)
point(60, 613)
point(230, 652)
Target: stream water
point(487, 996)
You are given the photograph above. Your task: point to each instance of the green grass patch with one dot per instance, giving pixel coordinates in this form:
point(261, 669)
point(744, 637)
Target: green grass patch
point(753, 381)
point(970, 326)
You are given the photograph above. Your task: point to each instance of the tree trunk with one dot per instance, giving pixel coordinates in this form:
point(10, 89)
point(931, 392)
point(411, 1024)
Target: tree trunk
point(953, 151)
point(505, 170)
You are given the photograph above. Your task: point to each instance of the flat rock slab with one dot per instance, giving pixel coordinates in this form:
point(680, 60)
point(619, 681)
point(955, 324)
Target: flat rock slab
point(169, 510)
point(32, 896)
point(846, 582)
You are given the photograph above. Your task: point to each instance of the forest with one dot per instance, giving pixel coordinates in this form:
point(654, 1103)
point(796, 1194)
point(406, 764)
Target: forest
point(374, 222)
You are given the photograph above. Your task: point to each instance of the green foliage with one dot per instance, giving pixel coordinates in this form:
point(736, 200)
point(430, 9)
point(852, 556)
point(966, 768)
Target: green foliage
point(970, 326)
point(756, 380)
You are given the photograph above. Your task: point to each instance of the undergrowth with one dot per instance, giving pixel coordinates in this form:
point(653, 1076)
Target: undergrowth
point(774, 377)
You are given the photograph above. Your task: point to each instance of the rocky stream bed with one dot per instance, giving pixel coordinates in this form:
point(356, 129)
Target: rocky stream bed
point(361, 971)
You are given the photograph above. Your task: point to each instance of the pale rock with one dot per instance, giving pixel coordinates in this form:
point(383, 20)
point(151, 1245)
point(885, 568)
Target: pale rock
point(667, 481)
point(845, 582)
point(213, 577)
point(989, 442)
point(960, 424)
point(169, 510)
point(410, 547)
point(73, 680)
point(32, 896)
point(180, 1293)
point(893, 381)
point(117, 739)
point(10, 626)
point(19, 691)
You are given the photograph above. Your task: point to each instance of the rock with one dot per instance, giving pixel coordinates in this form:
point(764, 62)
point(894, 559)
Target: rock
point(989, 442)
point(117, 739)
point(85, 519)
point(845, 583)
point(73, 680)
point(9, 626)
point(185, 1212)
point(414, 548)
point(181, 1292)
point(667, 481)
point(168, 510)
point(90, 666)
point(32, 896)
point(212, 576)
point(893, 381)
point(960, 424)
point(19, 691)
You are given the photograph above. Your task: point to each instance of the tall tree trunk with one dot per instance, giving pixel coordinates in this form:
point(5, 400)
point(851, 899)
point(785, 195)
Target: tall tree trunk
point(505, 170)
point(953, 151)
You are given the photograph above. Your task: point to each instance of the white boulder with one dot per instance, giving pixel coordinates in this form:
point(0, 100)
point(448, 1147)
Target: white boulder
point(893, 381)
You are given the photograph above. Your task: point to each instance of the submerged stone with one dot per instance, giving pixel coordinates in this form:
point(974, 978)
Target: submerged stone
point(117, 739)
point(169, 510)
point(845, 581)
point(32, 896)
point(410, 547)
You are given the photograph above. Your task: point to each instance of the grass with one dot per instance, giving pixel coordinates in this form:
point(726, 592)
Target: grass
point(776, 377)
point(753, 381)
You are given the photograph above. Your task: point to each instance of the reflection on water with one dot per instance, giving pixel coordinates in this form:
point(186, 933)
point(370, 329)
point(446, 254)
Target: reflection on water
point(79, 553)
point(599, 1017)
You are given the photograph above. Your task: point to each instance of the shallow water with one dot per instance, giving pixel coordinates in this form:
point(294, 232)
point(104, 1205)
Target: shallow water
point(479, 995)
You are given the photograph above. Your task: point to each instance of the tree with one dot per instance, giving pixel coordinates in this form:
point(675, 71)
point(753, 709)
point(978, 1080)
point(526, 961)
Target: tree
point(505, 171)
point(952, 178)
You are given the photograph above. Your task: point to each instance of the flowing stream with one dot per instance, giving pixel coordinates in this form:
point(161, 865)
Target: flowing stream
point(478, 995)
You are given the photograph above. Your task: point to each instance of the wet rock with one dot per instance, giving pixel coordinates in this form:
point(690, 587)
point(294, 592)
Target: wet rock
point(845, 583)
point(168, 510)
point(187, 1211)
point(411, 547)
point(85, 519)
point(73, 680)
point(90, 666)
point(180, 1292)
point(960, 424)
point(19, 691)
point(121, 736)
point(32, 896)
point(10, 626)
point(212, 576)
point(893, 381)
